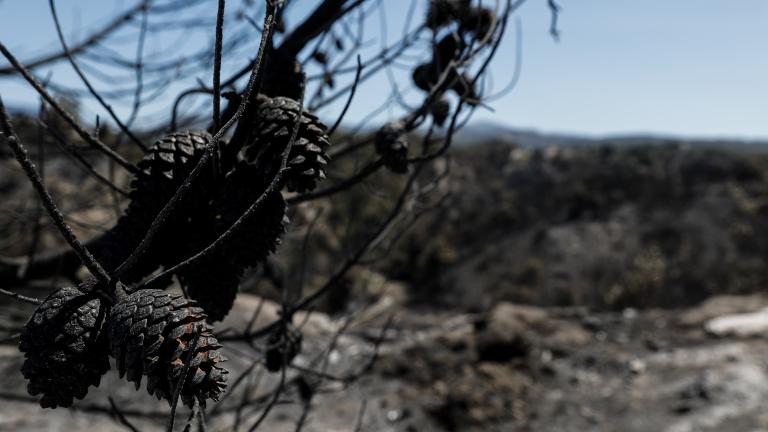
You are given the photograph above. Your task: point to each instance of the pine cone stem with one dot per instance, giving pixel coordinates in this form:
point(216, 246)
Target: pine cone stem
point(180, 383)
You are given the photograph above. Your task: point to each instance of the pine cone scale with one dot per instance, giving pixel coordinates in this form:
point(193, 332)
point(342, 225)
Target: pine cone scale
point(160, 346)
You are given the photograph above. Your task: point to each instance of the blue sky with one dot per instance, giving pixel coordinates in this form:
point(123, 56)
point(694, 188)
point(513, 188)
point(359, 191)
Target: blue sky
point(687, 68)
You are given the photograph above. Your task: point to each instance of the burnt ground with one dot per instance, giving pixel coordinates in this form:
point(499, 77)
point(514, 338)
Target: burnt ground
point(516, 368)
point(606, 227)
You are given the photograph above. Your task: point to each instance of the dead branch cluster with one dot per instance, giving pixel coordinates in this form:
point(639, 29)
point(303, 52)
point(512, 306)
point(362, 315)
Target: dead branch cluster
point(204, 206)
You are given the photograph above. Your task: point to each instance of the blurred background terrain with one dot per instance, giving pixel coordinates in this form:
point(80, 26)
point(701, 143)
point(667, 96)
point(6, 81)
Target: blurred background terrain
point(558, 284)
point(579, 276)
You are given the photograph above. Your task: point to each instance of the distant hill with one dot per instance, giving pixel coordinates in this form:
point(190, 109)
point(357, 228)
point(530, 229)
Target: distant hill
point(484, 132)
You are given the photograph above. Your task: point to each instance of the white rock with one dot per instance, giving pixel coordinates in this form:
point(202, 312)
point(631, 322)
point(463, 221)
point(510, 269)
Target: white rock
point(740, 325)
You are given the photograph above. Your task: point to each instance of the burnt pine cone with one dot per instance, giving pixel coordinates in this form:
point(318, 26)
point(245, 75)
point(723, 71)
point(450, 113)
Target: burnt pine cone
point(162, 170)
point(427, 75)
point(260, 234)
point(275, 122)
point(283, 345)
point(207, 210)
point(64, 346)
point(152, 332)
point(214, 281)
point(478, 20)
point(443, 12)
point(392, 145)
point(440, 110)
point(448, 49)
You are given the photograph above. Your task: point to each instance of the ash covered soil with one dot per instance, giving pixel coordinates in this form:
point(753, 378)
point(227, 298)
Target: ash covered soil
point(514, 368)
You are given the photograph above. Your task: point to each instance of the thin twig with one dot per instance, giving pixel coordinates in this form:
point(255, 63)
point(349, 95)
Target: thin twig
point(181, 381)
point(58, 218)
point(84, 79)
point(18, 296)
point(192, 416)
point(91, 40)
point(84, 134)
point(88, 407)
point(342, 271)
point(360, 416)
point(253, 382)
point(121, 416)
point(343, 185)
point(305, 253)
point(276, 395)
point(233, 386)
point(355, 257)
point(351, 96)
point(139, 66)
point(217, 66)
point(35, 241)
point(217, 80)
point(554, 10)
point(202, 425)
point(71, 153)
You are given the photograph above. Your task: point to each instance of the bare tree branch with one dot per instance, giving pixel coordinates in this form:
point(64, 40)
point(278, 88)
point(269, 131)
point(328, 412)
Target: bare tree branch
point(58, 218)
point(109, 28)
point(84, 134)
